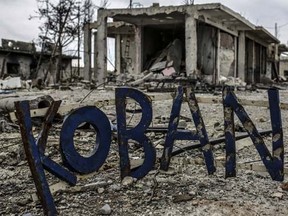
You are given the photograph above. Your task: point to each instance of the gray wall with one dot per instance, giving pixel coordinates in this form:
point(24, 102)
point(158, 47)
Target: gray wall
point(207, 42)
point(227, 55)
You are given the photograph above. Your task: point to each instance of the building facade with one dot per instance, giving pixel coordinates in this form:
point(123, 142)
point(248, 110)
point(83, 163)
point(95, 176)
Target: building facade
point(215, 41)
point(21, 59)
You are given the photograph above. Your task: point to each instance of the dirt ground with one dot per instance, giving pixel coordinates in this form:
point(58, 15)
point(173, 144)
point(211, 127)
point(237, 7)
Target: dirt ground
point(186, 189)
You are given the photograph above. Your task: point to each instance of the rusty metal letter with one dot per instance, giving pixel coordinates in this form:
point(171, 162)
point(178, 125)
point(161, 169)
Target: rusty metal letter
point(174, 134)
point(273, 163)
point(201, 131)
point(101, 124)
point(34, 158)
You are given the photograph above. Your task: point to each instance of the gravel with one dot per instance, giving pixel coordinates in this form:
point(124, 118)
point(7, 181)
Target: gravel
point(185, 189)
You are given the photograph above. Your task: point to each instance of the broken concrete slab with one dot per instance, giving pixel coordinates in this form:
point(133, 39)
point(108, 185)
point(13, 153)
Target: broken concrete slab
point(7, 104)
point(11, 83)
point(169, 71)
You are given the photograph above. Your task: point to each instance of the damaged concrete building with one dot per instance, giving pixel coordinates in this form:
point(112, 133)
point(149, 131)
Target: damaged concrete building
point(283, 68)
point(21, 59)
point(215, 41)
point(283, 60)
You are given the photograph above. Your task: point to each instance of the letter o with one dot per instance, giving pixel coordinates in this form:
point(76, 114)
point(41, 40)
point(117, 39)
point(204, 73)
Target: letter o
point(71, 158)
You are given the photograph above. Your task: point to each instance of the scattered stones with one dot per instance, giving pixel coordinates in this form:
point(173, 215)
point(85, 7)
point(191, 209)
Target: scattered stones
point(199, 161)
point(105, 210)
point(262, 119)
point(185, 189)
point(284, 186)
point(4, 173)
point(194, 202)
point(202, 185)
point(159, 143)
point(192, 193)
point(100, 190)
point(182, 123)
point(170, 171)
point(243, 143)
point(182, 198)
point(127, 181)
point(3, 156)
point(23, 201)
point(27, 214)
point(277, 195)
point(239, 128)
point(219, 126)
point(115, 187)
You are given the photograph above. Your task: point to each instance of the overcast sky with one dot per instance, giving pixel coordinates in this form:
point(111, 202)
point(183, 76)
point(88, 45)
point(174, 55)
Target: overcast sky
point(15, 24)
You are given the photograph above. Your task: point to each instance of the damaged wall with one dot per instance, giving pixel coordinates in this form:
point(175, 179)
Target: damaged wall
point(258, 60)
point(206, 53)
point(249, 61)
point(227, 54)
point(13, 64)
point(256, 64)
point(18, 45)
point(283, 68)
point(128, 57)
point(66, 70)
point(25, 63)
point(18, 58)
point(24, 66)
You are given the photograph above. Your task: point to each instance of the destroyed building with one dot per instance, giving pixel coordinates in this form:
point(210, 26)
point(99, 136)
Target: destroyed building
point(283, 61)
point(283, 68)
point(211, 41)
point(21, 59)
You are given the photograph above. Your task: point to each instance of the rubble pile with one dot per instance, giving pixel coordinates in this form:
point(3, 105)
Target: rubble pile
point(185, 189)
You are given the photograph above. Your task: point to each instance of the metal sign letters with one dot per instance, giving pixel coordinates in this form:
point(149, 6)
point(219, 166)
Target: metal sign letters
point(75, 163)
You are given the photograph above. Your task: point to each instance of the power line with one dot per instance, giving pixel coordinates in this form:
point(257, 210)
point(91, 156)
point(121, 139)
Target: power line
point(283, 25)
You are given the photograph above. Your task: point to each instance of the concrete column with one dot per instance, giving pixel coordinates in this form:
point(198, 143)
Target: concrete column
point(254, 61)
point(241, 52)
point(70, 69)
point(218, 60)
point(276, 52)
point(235, 55)
point(190, 44)
point(250, 61)
point(118, 54)
point(138, 49)
point(261, 60)
point(101, 43)
point(95, 54)
point(87, 53)
point(3, 67)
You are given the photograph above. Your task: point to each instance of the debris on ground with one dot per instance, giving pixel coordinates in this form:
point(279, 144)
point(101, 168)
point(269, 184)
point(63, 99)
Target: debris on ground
point(185, 188)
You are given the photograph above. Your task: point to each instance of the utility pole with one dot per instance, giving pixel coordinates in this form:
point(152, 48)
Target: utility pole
point(130, 4)
point(276, 30)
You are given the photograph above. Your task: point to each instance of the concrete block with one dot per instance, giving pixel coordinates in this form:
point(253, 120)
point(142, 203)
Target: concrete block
point(11, 83)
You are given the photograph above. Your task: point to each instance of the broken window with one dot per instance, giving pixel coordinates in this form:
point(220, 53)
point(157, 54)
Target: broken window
point(13, 68)
point(33, 70)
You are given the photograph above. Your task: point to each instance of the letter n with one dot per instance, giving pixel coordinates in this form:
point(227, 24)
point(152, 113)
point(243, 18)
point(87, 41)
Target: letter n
point(274, 163)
